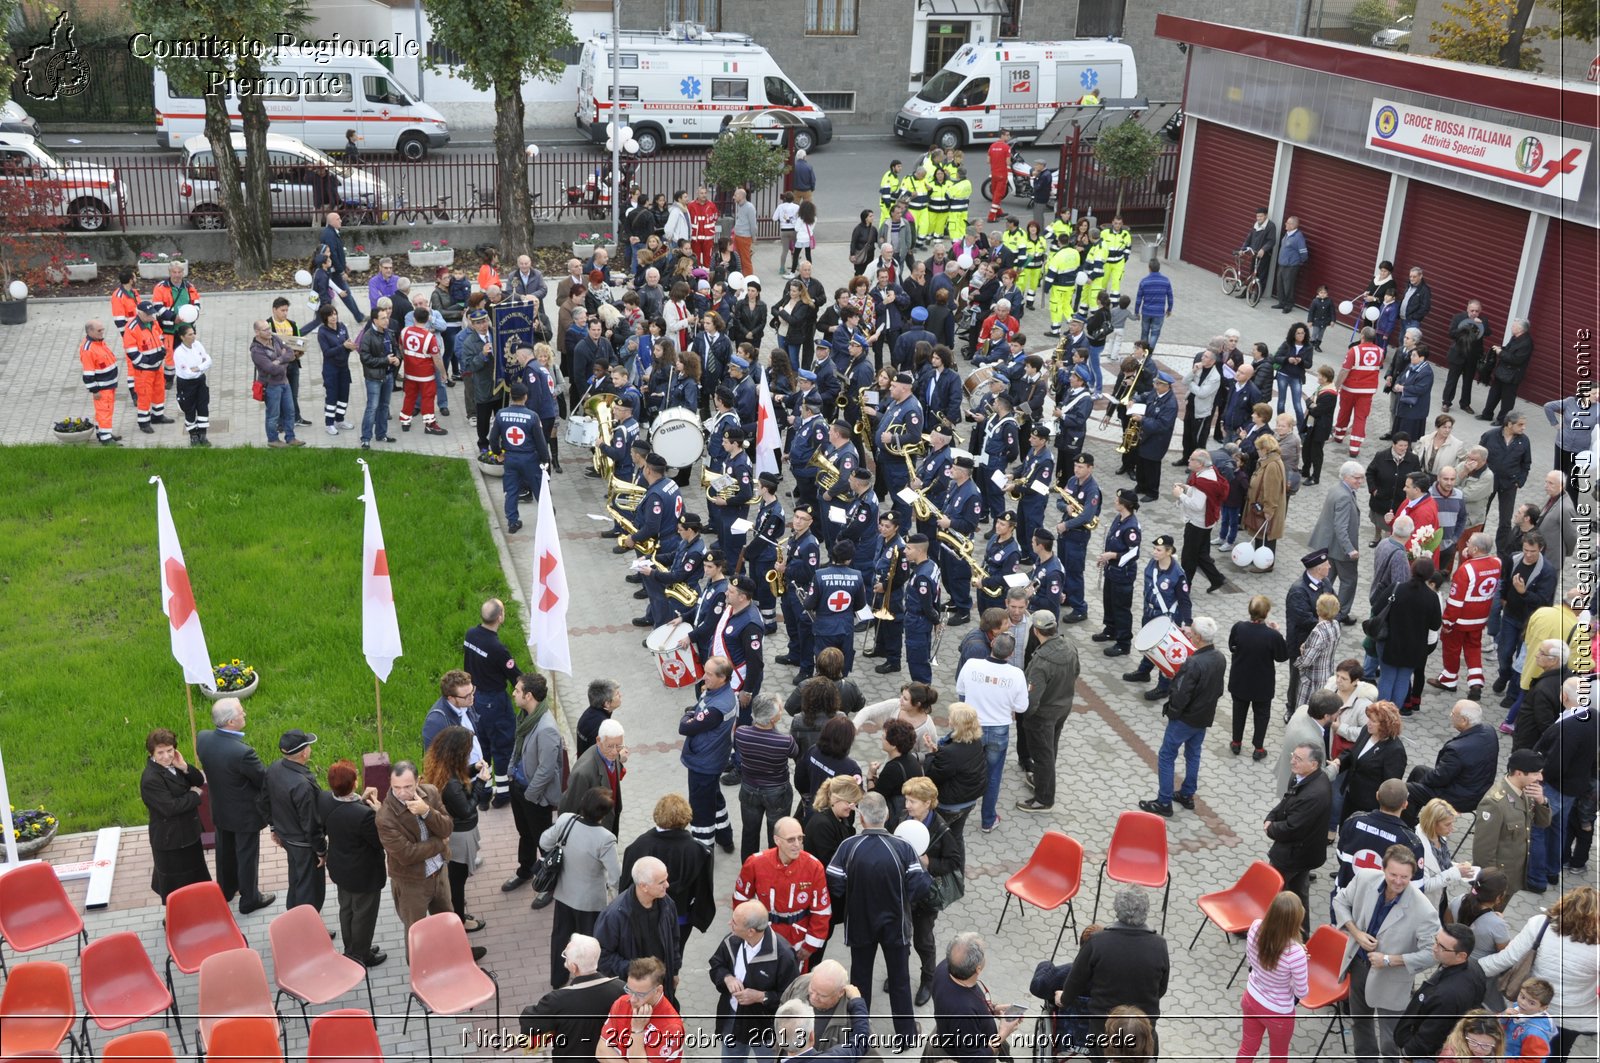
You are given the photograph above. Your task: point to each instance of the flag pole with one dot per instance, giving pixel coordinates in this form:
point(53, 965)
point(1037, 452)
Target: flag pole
point(188, 697)
point(377, 696)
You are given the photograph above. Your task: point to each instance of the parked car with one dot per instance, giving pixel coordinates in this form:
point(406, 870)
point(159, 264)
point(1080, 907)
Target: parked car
point(87, 196)
point(299, 176)
point(1396, 38)
point(13, 119)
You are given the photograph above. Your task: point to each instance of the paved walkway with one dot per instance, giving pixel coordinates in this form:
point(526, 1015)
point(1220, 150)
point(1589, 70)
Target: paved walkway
point(1107, 764)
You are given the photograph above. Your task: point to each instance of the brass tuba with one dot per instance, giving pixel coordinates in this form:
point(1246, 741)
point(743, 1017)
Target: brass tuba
point(682, 593)
point(827, 471)
point(708, 478)
point(599, 407)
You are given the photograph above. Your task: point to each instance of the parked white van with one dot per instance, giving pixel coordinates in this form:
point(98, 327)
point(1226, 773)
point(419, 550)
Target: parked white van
point(683, 84)
point(315, 98)
point(85, 196)
point(1015, 85)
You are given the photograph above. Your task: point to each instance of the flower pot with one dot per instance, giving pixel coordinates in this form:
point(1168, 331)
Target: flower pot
point(492, 468)
point(358, 263)
point(582, 251)
point(82, 272)
point(421, 259)
point(73, 437)
point(13, 312)
point(35, 846)
point(241, 693)
point(157, 271)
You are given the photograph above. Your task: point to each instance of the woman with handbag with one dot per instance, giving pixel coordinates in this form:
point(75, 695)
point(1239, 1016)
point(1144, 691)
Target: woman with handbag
point(1403, 640)
point(863, 243)
point(581, 856)
point(945, 859)
point(1563, 948)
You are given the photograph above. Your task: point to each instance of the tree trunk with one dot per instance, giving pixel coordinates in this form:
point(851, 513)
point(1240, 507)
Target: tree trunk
point(252, 242)
point(1122, 186)
point(1511, 51)
point(511, 188)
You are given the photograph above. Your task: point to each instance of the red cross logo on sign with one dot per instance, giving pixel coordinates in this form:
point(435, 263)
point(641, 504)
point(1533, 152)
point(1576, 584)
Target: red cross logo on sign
point(838, 601)
point(516, 436)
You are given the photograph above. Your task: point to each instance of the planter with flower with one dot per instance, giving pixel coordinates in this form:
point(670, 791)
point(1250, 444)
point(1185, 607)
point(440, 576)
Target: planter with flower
point(583, 247)
point(492, 462)
point(233, 679)
point(426, 253)
point(357, 260)
point(154, 265)
point(73, 430)
point(34, 829)
point(75, 268)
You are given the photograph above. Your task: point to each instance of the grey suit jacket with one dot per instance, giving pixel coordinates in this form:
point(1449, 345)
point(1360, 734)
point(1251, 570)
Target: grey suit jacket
point(1559, 527)
point(1300, 730)
point(1338, 528)
point(1408, 931)
point(236, 778)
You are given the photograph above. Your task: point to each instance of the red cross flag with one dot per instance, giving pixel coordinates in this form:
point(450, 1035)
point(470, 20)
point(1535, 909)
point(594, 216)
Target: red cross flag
point(547, 628)
point(380, 624)
point(768, 439)
point(177, 599)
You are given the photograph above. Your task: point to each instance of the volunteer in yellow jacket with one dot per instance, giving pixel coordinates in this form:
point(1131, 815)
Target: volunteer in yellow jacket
point(958, 199)
point(1118, 241)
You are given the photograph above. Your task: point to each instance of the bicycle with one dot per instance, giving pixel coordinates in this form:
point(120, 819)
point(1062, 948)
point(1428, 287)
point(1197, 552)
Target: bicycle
point(1242, 274)
point(483, 202)
point(439, 211)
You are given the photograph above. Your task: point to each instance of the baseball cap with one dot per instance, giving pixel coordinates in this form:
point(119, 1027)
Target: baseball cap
point(294, 741)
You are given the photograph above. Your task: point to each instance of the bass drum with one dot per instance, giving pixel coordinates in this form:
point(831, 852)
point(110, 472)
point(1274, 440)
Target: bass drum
point(678, 437)
point(977, 378)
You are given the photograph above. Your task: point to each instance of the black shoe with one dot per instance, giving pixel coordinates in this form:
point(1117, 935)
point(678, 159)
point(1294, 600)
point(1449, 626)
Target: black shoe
point(641, 595)
point(1136, 676)
point(146, 429)
point(162, 419)
point(405, 428)
point(1347, 620)
point(1147, 499)
point(375, 958)
point(1510, 699)
point(957, 619)
point(609, 534)
point(1501, 683)
point(1531, 888)
point(621, 550)
point(1118, 650)
point(731, 777)
point(1074, 618)
point(785, 659)
point(1186, 802)
point(1157, 807)
point(526, 496)
point(1467, 408)
point(478, 953)
point(264, 901)
point(1155, 695)
point(924, 993)
point(473, 924)
point(1259, 754)
point(1233, 747)
point(726, 847)
point(515, 882)
point(1475, 692)
point(887, 668)
point(1372, 545)
point(542, 900)
point(514, 527)
point(388, 439)
point(633, 577)
point(1215, 587)
point(642, 621)
point(1032, 805)
point(1481, 416)
point(1101, 636)
point(1180, 464)
point(1387, 436)
point(301, 421)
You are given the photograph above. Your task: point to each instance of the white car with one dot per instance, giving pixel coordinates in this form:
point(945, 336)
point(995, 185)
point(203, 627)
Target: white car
point(1396, 38)
point(87, 196)
point(299, 188)
point(13, 119)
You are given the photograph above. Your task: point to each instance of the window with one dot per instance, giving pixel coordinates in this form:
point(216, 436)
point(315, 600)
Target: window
point(381, 90)
point(1099, 18)
point(835, 18)
point(975, 92)
point(706, 12)
point(284, 167)
point(445, 56)
point(626, 60)
point(1011, 21)
point(780, 93)
point(627, 92)
point(833, 102)
point(336, 89)
point(284, 82)
point(13, 163)
point(730, 89)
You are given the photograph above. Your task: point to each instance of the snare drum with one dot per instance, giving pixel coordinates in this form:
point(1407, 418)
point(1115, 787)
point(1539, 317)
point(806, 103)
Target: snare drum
point(1164, 644)
point(678, 437)
point(675, 655)
point(582, 431)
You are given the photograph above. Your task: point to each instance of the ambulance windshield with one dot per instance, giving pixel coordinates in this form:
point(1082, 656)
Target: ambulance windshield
point(942, 85)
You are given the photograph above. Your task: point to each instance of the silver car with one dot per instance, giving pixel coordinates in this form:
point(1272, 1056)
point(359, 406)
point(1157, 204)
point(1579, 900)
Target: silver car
point(1396, 38)
point(305, 182)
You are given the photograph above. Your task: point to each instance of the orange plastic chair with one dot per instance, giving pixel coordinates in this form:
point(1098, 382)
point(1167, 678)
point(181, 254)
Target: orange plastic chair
point(199, 924)
point(1324, 957)
point(444, 980)
point(244, 1039)
point(234, 985)
point(344, 1036)
point(1137, 857)
point(37, 1008)
point(1049, 879)
point(146, 1046)
point(307, 966)
point(1235, 908)
point(120, 986)
point(35, 911)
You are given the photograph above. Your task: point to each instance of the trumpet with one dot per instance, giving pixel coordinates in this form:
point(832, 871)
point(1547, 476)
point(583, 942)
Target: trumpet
point(775, 577)
point(827, 474)
point(708, 478)
point(645, 547)
point(1074, 507)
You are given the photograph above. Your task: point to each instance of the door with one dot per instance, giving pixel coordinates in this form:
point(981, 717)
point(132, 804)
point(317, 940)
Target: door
point(330, 112)
point(291, 187)
point(944, 40)
point(1230, 176)
point(1340, 207)
point(1566, 305)
point(1019, 97)
point(384, 106)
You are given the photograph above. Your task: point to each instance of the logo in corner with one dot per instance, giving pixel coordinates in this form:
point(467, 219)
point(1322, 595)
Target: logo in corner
point(1387, 122)
point(1530, 154)
point(55, 70)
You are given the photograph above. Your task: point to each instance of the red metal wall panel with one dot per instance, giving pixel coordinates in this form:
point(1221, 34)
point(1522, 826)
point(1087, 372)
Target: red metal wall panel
point(1230, 176)
point(1566, 303)
point(1340, 207)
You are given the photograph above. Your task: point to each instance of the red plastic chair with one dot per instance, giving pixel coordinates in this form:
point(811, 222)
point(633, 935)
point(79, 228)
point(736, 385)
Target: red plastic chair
point(444, 980)
point(37, 1008)
point(199, 924)
point(234, 985)
point(244, 1039)
point(146, 1046)
point(1235, 908)
point(1137, 857)
point(35, 911)
point(1049, 879)
point(1324, 958)
point(307, 966)
point(344, 1036)
point(120, 986)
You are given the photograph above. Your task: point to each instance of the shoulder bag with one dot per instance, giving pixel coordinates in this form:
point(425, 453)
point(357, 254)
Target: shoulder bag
point(548, 873)
point(1510, 981)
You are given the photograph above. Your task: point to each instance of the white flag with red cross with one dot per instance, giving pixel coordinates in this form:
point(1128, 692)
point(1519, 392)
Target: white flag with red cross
point(380, 624)
point(177, 599)
point(769, 441)
point(548, 600)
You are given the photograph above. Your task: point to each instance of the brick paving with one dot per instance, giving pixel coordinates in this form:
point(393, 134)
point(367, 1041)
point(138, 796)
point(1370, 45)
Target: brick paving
point(1107, 762)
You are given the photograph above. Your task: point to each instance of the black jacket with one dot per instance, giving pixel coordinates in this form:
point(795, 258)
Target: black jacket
point(1508, 462)
point(876, 879)
point(1386, 479)
point(1569, 748)
point(355, 854)
point(1121, 965)
point(1540, 708)
point(771, 971)
point(1511, 365)
point(1464, 769)
point(614, 930)
point(459, 803)
point(1300, 609)
point(237, 779)
point(959, 770)
point(1436, 1007)
point(1415, 612)
point(292, 794)
point(1298, 825)
point(374, 354)
point(573, 1016)
point(1466, 346)
point(1196, 688)
point(1255, 650)
point(688, 871)
point(1385, 760)
point(748, 323)
point(174, 808)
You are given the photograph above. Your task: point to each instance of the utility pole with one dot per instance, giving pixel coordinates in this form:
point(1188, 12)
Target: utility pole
point(616, 119)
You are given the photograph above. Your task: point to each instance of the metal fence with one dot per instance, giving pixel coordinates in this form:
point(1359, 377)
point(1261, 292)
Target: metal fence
point(160, 192)
point(1088, 188)
point(119, 88)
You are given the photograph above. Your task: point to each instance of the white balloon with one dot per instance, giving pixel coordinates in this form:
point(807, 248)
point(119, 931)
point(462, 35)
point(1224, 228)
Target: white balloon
point(18, 290)
point(532, 150)
point(1347, 307)
point(188, 312)
point(1371, 313)
point(627, 130)
point(1263, 558)
point(631, 147)
point(1081, 279)
point(611, 127)
point(735, 281)
point(914, 833)
point(302, 277)
point(1243, 554)
point(965, 261)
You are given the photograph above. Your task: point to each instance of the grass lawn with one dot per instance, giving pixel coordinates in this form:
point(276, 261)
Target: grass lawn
point(272, 540)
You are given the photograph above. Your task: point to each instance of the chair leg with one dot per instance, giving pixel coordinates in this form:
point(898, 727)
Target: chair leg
point(177, 1021)
point(1335, 1021)
point(367, 977)
point(1166, 892)
point(1237, 969)
point(1196, 937)
point(427, 1028)
point(87, 1053)
point(305, 1017)
point(1098, 882)
point(1004, 908)
point(407, 1024)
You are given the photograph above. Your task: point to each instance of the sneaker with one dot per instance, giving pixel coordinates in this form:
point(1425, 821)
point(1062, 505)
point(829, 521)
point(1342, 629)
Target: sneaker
point(275, 443)
point(435, 430)
point(302, 422)
point(1186, 802)
point(990, 828)
point(1030, 805)
point(346, 426)
point(1156, 807)
point(1507, 729)
point(366, 446)
point(297, 442)
point(332, 430)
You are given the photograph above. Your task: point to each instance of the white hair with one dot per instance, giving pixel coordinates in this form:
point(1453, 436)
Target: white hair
point(1351, 468)
point(1205, 628)
point(225, 711)
point(1002, 303)
point(800, 153)
point(1471, 712)
point(646, 868)
point(1414, 333)
point(1572, 689)
point(609, 729)
point(1404, 526)
point(793, 1025)
point(1557, 649)
point(583, 952)
point(1231, 334)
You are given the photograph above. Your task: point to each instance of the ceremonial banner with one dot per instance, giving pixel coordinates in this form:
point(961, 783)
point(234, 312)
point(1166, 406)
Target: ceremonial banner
point(177, 599)
point(547, 627)
point(380, 625)
point(510, 326)
point(769, 441)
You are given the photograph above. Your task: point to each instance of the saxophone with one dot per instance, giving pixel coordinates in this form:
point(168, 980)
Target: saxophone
point(775, 578)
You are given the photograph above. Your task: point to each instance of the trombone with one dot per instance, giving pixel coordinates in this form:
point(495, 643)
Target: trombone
point(1125, 399)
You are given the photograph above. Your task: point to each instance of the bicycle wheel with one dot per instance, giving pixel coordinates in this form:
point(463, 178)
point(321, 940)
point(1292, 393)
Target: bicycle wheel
point(1252, 293)
point(1044, 1038)
point(1230, 280)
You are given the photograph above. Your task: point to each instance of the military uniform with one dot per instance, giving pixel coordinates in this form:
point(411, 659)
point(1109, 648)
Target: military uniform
point(845, 459)
point(736, 468)
point(1049, 587)
point(799, 573)
point(1038, 467)
point(1506, 820)
point(809, 436)
point(1122, 539)
point(1002, 442)
point(1074, 539)
point(891, 572)
point(965, 510)
point(517, 432)
point(933, 472)
point(910, 415)
point(999, 561)
point(1166, 593)
point(761, 553)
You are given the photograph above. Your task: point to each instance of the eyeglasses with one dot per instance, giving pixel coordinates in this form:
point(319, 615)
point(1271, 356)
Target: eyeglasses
point(1479, 1045)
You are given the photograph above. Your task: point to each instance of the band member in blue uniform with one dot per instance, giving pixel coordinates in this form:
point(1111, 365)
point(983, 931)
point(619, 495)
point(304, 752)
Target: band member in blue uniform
point(1034, 476)
point(1072, 419)
point(889, 577)
point(707, 730)
point(861, 525)
point(799, 573)
point(1049, 578)
point(657, 513)
point(724, 419)
point(761, 545)
point(808, 437)
point(1155, 435)
point(933, 475)
point(924, 606)
point(735, 465)
point(1073, 533)
point(707, 613)
point(746, 396)
point(685, 567)
point(1119, 562)
point(844, 456)
point(900, 425)
point(963, 512)
point(837, 594)
point(741, 639)
point(1166, 593)
point(1000, 559)
point(517, 432)
point(1002, 444)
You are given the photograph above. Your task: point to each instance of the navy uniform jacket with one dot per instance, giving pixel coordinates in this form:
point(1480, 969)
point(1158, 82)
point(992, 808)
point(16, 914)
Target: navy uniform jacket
point(964, 507)
point(1001, 444)
point(893, 557)
point(619, 448)
point(746, 400)
point(810, 435)
point(688, 563)
point(738, 467)
point(1416, 393)
point(934, 472)
point(518, 433)
point(1038, 466)
point(846, 459)
point(800, 567)
point(763, 542)
point(684, 393)
point(1240, 403)
point(1155, 431)
point(658, 513)
point(706, 615)
point(1074, 414)
point(1028, 393)
point(940, 393)
point(1122, 539)
point(717, 437)
point(1000, 561)
point(859, 375)
point(837, 594)
point(905, 347)
point(739, 639)
point(827, 381)
point(1087, 492)
point(908, 413)
point(861, 527)
point(924, 596)
point(541, 391)
point(1166, 593)
point(1049, 586)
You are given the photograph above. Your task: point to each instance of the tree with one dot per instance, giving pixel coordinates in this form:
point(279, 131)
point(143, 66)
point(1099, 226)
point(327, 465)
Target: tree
point(1369, 16)
point(500, 43)
point(741, 159)
point(1489, 33)
point(1127, 152)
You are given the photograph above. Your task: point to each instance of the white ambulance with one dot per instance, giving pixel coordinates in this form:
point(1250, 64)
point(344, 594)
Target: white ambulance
point(1015, 85)
point(682, 84)
point(315, 98)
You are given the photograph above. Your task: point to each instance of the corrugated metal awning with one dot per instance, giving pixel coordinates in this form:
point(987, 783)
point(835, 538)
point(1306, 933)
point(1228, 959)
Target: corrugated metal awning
point(952, 8)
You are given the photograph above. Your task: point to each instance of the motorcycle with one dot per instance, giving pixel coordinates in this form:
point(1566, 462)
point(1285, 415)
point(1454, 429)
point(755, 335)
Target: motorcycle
point(595, 195)
point(1020, 185)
